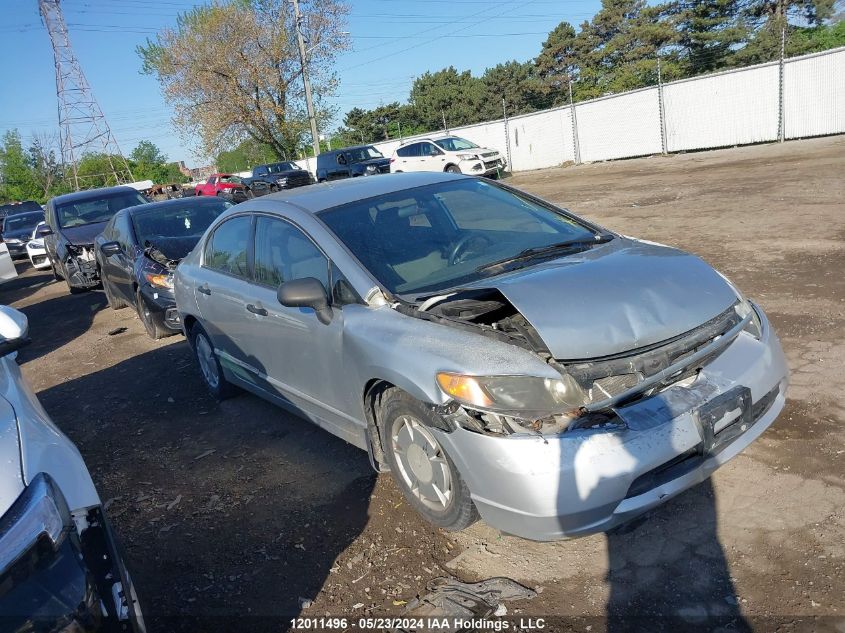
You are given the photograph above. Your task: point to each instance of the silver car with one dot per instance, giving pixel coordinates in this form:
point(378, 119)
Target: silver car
point(499, 356)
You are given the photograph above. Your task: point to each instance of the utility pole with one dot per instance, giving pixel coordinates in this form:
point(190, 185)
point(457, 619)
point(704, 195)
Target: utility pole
point(445, 127)
point(576, 145)
point(315, 139)
point(507, 133)
point(82, 124)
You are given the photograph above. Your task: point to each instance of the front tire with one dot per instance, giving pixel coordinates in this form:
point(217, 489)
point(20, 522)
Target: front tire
point(113, 301)
point(423, 471)
point(453, 169)
point(154, 330)
point(210, 369)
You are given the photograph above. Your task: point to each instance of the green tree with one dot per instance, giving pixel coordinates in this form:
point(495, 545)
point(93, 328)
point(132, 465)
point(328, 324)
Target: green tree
point(459, 97)
point(246, 155)
point(708, 30)
point(558, 63)
point(518, 84)
point(17, 180)
point(147, 152)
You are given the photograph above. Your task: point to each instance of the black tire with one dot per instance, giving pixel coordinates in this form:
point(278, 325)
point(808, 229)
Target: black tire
point(154, 330)
point(453, 169)
point(74, 290)
point(395, 408)
point(113, 301)
point(274, 188)
point(222, 389)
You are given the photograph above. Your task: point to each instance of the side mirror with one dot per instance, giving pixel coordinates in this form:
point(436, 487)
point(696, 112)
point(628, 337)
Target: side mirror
point(306, 293)
point(43, 230)
point(110, 248)
point(14, 330)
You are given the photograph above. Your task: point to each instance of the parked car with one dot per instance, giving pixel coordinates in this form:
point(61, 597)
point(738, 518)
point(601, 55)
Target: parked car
point(17, 230)
point(349, 162)
point(226, 186)
point(35, 248)
point(447, 153)
point(140, 248)
point(61, 565)
point(12, 208)
point(497, 354)
point(277, 176)
point(75, 219)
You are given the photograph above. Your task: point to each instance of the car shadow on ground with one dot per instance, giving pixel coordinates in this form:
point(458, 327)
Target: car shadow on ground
point(57, 320)
point(667, 570)
point(28, 281)
point(231, 513)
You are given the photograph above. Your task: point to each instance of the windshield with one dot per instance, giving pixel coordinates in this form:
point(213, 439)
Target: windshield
point(234, 179)
point(23, 221)
point(279, 167)
point(364, 153)
point(175, 229)
point(438, 236)
point(93, 210)
point(455, 144)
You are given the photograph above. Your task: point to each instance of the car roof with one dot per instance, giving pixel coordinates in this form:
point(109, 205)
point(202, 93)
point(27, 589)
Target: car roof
point(344, 149)
point(27, 213)
point(91, 194)
point(175, 202)
point(322, 196)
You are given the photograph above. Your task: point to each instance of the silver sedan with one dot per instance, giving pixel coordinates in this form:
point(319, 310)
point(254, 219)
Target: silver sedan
point(499, 356)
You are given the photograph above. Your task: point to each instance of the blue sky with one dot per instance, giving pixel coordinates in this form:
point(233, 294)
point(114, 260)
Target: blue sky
point(392, 42)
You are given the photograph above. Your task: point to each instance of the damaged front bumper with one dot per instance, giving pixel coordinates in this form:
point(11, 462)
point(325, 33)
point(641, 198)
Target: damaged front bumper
point(162, 307)
point(81, 266)
point(590, 480)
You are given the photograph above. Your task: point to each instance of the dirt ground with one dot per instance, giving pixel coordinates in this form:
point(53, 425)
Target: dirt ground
point(231, 513)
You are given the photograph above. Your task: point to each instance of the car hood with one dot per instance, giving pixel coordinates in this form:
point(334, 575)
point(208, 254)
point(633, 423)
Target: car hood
point(84, 234)
point(375, 161)
point(11, 475)
point(615, 297)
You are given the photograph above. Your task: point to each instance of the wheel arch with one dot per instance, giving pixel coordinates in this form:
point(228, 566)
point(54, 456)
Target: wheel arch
point(448, 165)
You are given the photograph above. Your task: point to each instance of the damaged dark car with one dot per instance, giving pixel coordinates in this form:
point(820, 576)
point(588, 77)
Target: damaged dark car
point(75, 219)
point(139, 249)
point(500, 356)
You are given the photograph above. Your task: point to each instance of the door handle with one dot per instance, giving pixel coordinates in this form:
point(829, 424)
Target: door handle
point(256, 309)
point(204, 289)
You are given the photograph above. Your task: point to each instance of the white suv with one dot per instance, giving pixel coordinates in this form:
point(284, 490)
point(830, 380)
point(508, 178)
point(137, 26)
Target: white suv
point(448, 153)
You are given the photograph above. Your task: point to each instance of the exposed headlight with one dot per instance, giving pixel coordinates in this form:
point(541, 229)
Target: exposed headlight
point(160, 281)
point(514, 393)
point(39, 513)
point(754, 327)
point(467, 157)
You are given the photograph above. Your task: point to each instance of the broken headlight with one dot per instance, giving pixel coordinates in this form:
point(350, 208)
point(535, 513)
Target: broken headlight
point(514, 393)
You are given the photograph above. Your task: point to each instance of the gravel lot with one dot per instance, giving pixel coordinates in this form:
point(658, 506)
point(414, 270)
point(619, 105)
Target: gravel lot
point(239, 509)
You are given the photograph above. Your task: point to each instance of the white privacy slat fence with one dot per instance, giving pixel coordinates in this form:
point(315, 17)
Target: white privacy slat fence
point(736, 107)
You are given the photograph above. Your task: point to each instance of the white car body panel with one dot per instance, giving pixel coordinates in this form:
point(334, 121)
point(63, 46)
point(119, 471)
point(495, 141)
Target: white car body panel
point(7, 266)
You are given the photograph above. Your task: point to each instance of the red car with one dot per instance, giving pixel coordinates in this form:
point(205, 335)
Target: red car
point(223, 185)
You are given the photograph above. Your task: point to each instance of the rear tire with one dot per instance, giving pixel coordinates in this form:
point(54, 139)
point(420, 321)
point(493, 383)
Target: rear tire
point(421, 468)
point(210, 369)
point(56, 274)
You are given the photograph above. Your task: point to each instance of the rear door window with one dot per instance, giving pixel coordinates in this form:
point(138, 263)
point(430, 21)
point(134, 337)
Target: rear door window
point(227, 249)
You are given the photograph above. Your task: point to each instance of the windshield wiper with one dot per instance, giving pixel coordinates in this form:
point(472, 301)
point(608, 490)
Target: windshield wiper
point(539, 251)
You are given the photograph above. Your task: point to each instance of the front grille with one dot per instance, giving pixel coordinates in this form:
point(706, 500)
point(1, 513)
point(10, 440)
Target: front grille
point(693, 458)
point(491, 164)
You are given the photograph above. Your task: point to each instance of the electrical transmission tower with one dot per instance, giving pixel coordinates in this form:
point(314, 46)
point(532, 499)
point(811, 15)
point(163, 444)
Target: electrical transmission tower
point(83, 127)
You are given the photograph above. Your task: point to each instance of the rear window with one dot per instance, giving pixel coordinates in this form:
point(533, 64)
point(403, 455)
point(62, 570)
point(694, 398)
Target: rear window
point(21, 207)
